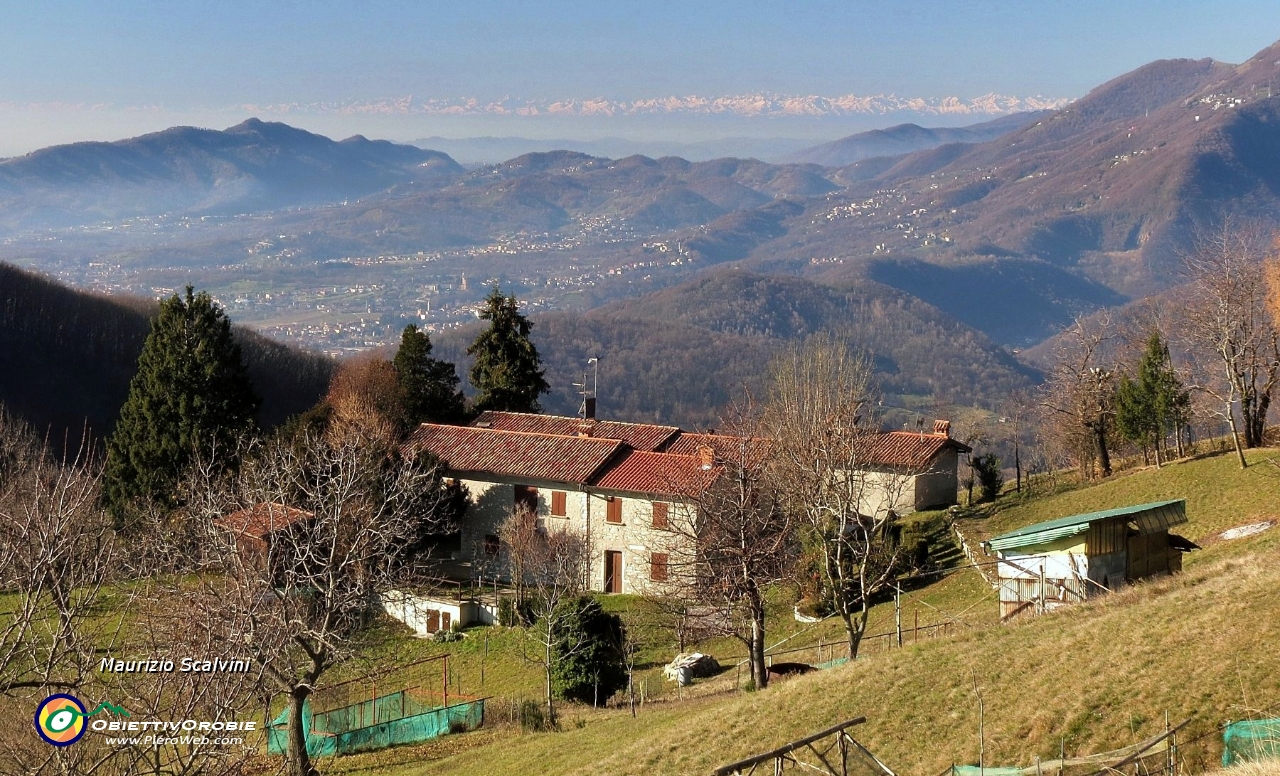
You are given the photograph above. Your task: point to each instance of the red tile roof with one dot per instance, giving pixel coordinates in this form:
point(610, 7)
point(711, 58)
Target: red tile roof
point(641, 436)
point(659, 474)
point(725, 447)
point(911, 449)
point(569, 459)
point(262, 520)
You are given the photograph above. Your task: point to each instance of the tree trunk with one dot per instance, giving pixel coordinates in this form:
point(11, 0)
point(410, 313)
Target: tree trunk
point(1235, 437)
point(1255, 420)
point(1100, 441)
point(299, 762)
point(551, 704)
point(761, 677)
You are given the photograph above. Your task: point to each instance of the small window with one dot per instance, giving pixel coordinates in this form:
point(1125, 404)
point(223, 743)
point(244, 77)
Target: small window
point(613, 511)
point(492, 545)
point(559, 501)
point(659, 514)
point(658, 567)
point(526, 497)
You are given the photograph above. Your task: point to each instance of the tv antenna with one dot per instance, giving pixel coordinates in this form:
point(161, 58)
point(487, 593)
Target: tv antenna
point(587, 410)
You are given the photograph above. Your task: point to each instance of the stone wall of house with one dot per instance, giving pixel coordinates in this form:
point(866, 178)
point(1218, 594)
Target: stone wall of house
point(635, 537)
point(938, 486)
point(885, 490)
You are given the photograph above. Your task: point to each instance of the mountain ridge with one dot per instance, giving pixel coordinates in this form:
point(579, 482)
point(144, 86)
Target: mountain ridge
point(254, 165)
point(905, 138)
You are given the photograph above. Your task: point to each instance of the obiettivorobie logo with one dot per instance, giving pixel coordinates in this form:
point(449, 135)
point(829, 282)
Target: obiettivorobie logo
point(60, 719)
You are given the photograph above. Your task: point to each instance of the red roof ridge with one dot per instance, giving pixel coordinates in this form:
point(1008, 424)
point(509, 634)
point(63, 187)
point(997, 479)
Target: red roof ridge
point(573, 417)
point(544, 434)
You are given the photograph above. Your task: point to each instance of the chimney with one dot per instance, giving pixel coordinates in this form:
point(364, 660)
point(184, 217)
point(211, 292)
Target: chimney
point(942, 428)
point(586, 427)
point(589, 408)
point(706, 457)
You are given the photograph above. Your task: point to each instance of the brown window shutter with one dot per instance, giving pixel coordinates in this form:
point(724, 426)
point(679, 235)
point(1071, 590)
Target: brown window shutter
point(659, 514)
point(558, 503)
point(658, 567)
point(613, 512)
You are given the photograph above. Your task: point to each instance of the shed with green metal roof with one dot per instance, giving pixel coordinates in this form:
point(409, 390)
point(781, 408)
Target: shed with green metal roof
point(1046, 565)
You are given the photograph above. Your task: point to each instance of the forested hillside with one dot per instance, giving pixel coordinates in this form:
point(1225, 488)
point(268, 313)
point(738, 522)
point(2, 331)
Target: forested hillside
point(679, 355)
point(66, 357)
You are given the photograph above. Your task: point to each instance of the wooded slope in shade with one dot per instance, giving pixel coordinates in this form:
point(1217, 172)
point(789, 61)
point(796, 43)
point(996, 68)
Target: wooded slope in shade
point(681, 354)
point(66, 357)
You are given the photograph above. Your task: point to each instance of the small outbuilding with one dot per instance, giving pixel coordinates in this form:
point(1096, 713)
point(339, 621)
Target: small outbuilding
point(1059, 562)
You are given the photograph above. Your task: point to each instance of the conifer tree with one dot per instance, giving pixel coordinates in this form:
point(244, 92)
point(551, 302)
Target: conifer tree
point(1154, 404)
point(191, 392)
point(428, 386)
point(507, 372)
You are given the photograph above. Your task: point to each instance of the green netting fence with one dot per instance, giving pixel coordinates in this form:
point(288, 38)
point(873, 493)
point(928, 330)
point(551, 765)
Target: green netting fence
point(1251, 740)
point(1152, 755)
point(387, 720)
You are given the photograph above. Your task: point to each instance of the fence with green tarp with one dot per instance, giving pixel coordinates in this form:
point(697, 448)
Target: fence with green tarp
point(387, 720)
point(1157, 747)
point(1251, 740)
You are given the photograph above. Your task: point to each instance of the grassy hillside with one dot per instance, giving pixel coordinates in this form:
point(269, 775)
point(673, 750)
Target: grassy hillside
point(1087, 678)
point(1219, 495)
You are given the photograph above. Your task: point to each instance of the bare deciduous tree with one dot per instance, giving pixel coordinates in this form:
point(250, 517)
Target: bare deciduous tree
point(324, 527)
point(1079, 395)
point(732, 539)
point(823, 431)
point(549, 565)
point(1234, 344)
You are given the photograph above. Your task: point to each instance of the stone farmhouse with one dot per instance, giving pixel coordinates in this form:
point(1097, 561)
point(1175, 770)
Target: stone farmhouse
point(622, 484)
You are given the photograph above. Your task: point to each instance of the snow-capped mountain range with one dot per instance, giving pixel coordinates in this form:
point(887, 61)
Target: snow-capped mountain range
point(746, 105)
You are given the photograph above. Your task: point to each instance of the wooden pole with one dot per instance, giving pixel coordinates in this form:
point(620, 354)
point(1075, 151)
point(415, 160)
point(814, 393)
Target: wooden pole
point(1040, 605)
point(445, 676)
point(897, 612)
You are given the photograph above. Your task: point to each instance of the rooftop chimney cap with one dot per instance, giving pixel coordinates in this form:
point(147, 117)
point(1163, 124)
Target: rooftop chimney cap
point(942, 428)
point(706, 457)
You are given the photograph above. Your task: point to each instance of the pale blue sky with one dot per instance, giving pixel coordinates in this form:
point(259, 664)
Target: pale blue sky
point(157, 64)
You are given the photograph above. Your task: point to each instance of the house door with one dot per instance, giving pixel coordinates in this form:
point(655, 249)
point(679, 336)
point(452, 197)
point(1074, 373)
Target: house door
point(612, 571)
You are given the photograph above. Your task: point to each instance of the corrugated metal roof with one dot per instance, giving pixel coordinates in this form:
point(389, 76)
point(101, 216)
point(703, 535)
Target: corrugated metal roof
point(1148, 517)
point(569, 459)
point(659, 474)
point(641, 436)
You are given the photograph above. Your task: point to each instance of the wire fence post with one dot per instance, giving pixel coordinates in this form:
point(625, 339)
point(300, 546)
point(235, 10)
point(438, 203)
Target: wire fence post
point(897, 612)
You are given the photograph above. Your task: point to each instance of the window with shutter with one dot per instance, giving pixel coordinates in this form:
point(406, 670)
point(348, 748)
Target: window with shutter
point(613, 511)
point(659, 514)
point(658, 567)
point(559, 503)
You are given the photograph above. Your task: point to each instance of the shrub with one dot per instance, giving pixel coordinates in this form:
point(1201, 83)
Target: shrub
point(531, 717)
point(990, 479)
point(589, 661)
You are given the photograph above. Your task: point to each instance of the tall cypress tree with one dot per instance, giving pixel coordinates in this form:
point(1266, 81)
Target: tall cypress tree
point(507, 372)
point(428, 386)
point(191, 391)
